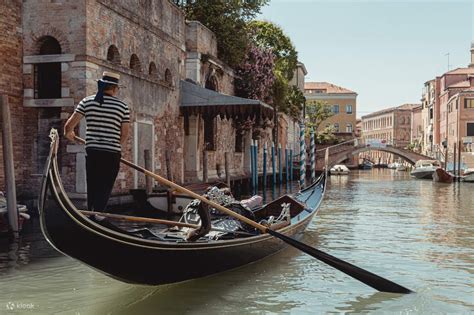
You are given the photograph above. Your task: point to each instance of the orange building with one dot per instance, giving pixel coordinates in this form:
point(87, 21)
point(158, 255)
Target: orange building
point(343, 103)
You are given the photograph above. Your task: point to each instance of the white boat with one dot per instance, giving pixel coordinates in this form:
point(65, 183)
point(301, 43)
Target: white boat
point(339, 169)
point(393, 165)
point(424, 169)
point(468, 175)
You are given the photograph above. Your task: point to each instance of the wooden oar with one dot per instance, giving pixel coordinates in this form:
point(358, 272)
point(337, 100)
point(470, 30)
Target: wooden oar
point(370, 279)
point(140, 219)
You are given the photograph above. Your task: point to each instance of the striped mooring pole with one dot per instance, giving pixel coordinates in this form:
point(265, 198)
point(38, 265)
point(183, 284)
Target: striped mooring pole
point(313, 160)
point(302, 157)
point(264, 180)
point(252, 167)
point(256, 165)
point(280, 166)
point(274, 176)
point(291, 165)
point(287, 165)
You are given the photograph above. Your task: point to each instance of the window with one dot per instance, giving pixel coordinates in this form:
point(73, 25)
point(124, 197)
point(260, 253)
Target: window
point(168, 77)
point(470, 129)
point(135, 64)
point(336, 127)
point(208, 133)
point(152, 71)
point(335, 109)
point(47, 76)
point(211, 83)
point(469, 103)
point(349, 127)
point(238, 141)
point(349, 109)
point(113, 55)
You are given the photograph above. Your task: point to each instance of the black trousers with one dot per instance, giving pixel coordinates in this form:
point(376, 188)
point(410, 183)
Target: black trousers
point(101, 171)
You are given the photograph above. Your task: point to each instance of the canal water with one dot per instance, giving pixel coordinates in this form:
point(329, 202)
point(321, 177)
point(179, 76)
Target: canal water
point(417, 233)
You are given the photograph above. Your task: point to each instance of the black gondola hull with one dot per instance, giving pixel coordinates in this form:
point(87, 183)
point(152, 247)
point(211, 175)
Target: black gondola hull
point(135, 260)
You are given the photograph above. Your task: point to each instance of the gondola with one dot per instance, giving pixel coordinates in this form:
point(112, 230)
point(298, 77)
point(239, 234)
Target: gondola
point(167, 259)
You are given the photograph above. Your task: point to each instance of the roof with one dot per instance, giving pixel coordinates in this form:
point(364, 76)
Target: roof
point(196, 99)
point(461, 71)
point(329, 87)
point(392, 109)
point(462, 84)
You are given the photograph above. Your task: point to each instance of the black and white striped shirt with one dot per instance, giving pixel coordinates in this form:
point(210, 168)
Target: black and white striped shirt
point(104, 122)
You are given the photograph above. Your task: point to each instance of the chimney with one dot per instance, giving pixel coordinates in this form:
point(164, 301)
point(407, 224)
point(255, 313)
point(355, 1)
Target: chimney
point(471, 65)
point(470, 77)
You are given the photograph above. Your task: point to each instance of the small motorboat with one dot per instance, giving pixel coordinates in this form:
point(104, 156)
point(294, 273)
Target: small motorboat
point(366, 165)
point(468, 175)
point(424, 169)
point(339, 169)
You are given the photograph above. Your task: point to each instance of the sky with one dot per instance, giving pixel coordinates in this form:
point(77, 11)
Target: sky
point(383, 50)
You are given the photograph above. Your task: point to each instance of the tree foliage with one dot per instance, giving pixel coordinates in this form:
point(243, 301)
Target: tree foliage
point(270, 36)
point(228, 20)
point(294, 102)
point(254, 76)
point(316, 113)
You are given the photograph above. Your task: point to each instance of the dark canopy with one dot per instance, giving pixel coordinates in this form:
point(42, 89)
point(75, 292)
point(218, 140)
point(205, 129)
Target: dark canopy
point(198, 100)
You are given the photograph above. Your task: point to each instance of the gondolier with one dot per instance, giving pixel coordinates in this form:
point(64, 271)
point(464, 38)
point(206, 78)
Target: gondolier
point(108, 124)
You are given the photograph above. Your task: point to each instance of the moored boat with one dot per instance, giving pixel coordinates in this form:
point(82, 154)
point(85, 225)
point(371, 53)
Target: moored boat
point(468, 175)
point(164, 255)
point(424, 169)
point(339, 169)
point(442, 176)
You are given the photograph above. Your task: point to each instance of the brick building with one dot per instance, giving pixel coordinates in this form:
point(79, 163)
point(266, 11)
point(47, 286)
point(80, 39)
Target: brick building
point(48, 65)
point(391, 125)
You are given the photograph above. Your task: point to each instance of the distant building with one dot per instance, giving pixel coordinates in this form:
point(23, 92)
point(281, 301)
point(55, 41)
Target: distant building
point(416, 136)
point(392, 125)
point(343, 103)
point(448, 111)
point(427, 115)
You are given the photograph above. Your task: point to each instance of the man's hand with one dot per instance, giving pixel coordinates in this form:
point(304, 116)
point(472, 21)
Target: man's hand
point(71, 123)
point(70, 135)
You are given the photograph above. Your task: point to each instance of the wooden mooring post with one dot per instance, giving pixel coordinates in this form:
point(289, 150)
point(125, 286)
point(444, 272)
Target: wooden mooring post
point(455, 159)
point(9, 166)
point(459, 160)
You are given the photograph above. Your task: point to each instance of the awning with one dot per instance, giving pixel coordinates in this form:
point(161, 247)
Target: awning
point(198, 100)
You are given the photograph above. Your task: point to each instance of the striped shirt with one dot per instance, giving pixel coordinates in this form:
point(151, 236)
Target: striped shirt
point(104, 122)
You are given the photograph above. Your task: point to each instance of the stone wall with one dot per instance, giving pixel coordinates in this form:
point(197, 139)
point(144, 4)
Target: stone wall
point(11, 84)
point(154, 33)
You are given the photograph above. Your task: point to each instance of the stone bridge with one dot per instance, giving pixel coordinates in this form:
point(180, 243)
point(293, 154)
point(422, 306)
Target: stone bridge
point(341, 152)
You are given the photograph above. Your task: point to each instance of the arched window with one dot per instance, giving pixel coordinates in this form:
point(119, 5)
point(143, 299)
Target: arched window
point(113, 54)
point(168, 77)
point(47, 76)
point(135, 64)
point(211, 83)
point(152, 70)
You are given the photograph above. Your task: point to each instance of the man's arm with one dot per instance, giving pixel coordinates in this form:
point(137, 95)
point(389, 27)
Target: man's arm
point(71, 123)
point(124, 134)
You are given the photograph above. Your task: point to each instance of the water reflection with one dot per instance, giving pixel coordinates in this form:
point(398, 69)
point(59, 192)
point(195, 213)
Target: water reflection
point(417, 233)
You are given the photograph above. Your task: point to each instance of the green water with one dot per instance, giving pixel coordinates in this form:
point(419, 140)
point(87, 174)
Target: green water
point(419, 234)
